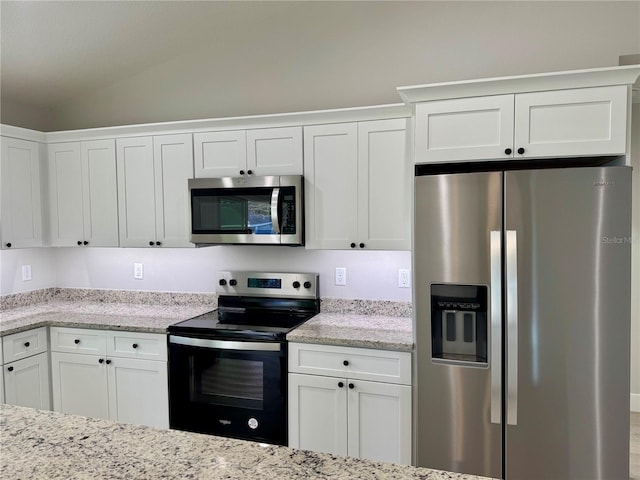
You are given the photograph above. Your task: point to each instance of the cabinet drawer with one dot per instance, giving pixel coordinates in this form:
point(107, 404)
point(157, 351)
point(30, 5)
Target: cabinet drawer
point(24, 344)
point(352, 363)
point(78, 340)
point(151, 346)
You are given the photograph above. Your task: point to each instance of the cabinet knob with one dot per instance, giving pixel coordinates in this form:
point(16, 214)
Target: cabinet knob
point(507, 151)
point(9, 245)
point(26, 344)
point(108, 362)
point(85, 242)
point(135, 345)
point(101, 360)
point(353, 245)
point(352, 386)
point(521, 150)
point(362, 245)
point(10, 369)
point(79, 242)
point(76, 341)
point(158, 243)
point(340, 384)
point(151, 244)
point(249, 172)
point(241, 172)
point(346, 363)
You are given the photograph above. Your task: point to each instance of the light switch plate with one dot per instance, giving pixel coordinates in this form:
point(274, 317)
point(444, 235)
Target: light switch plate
point(26, 273)
point(138, 272)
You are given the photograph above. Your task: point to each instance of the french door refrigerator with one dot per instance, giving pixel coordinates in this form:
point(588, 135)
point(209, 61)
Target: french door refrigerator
point(522, 322)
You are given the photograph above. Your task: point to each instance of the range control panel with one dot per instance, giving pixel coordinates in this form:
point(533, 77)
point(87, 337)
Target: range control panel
point(264, 284)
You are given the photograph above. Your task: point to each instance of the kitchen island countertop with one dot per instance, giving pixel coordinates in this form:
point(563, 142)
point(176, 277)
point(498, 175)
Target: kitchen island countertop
point(38, 445)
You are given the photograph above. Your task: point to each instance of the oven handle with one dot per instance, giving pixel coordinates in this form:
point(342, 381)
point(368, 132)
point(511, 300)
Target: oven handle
point(224, 344)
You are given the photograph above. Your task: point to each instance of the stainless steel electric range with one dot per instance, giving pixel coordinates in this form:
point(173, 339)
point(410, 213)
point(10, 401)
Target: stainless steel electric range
point(228, 368)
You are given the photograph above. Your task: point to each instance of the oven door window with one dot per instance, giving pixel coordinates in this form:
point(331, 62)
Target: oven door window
point(238, 210)
point(227, 381)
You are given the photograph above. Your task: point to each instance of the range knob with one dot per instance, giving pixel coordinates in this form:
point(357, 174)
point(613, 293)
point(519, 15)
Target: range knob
point(222, 282)
point(233, 282)
point(296, 284)
point(307, 284)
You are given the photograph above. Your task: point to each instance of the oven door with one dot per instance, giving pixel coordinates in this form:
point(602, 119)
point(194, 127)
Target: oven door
point(228, 388)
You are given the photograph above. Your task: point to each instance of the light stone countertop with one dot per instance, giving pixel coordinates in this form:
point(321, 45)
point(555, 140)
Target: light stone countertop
point(39, 445)
point(351, 330)
point(111, 316)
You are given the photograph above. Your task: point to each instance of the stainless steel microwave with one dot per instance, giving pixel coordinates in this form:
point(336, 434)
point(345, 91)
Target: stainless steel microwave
point(247, 210)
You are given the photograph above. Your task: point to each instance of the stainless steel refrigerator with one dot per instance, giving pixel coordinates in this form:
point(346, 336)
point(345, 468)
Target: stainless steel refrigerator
point(522, 322)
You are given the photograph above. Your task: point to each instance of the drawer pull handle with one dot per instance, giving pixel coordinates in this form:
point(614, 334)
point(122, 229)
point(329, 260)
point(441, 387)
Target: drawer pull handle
point(101, 360)
point(346, 363)
point(26, 344)
point(10, 369)
point(352, 386)
point(340, 384)
point(76, 341)
point(135, 345)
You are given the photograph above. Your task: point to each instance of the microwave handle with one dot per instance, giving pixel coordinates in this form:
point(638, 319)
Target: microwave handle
point(275, 218)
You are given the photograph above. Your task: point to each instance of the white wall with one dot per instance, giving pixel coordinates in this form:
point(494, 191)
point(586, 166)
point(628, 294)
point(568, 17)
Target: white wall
point(370, 275)
point(43, 273)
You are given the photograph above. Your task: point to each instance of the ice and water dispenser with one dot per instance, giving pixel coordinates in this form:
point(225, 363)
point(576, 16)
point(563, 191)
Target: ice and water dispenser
point(459, 325)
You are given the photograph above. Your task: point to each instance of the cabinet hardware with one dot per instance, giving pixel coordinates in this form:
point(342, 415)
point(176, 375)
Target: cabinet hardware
point(508, 151)
point(10, 369)
point(79, 242)
point(101, 360)
point(521, 150)
point(249, 172)
point(340, 384)
point(26, 344)
point(241, 172)
point(135, 345)
point(353, 245)
point(352, 386)
point(76, 341)
point(151, 244)
point(346, 363)
point(108, 362)
point(158, 243)
point(85, 243)
point(362, 245)
point(9, 245)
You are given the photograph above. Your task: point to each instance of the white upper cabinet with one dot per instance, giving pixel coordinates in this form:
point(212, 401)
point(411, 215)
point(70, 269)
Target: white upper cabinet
point(83, 199)
point(547, 124)
point(265, 151)
point(21, 222)
point(357, 186)
point(152, 190)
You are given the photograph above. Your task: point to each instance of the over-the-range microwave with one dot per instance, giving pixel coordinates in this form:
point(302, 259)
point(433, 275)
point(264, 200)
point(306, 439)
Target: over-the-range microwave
point(255, 210)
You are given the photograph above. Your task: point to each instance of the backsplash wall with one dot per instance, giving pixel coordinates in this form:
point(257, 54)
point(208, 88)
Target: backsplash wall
point(370, 274)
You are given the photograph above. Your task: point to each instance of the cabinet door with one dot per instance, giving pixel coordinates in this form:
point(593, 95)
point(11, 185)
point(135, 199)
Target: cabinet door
point(318, 413)
point(384, 185)
point(27, 382)
point(379, 416)
point(173, 165)
point(464, 129)
point(584, 121)
point(220, 154)
point(20, 194)
point(65, 194)
point(275, 151)
point(100, 193)
point(331, 185)
point(138, 392)
point(136, 192)
point(79, 384)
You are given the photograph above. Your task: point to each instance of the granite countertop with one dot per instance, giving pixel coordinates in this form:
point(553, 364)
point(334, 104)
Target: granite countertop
point(351, 330)
point(112, 316)
point(38, 445)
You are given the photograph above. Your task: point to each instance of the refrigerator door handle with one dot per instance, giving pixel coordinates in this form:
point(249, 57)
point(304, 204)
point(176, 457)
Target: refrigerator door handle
point(512, 326)
point(496, 327)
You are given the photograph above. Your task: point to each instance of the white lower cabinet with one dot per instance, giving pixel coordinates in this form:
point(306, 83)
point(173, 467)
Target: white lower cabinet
point(25, 373)
point(127, 384)
point(340, 412)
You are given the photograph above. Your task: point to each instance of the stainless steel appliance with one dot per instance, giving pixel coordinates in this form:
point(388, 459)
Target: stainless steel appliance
point(247, 210)
point(228, 368)
point(522, 321)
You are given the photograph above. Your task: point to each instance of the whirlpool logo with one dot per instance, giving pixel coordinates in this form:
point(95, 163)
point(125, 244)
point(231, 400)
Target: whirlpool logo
point(225, 422)
point(616, 240)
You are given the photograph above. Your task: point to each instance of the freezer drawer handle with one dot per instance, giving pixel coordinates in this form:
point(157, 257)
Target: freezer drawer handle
point(496, 327)
point(512, 327)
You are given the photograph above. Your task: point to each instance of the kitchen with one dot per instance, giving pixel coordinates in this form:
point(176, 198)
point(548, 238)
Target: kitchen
point(371, 275)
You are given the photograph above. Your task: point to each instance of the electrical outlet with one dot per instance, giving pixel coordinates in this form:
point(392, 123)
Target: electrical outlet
point(341, 276)
point(138, 272)
point(404, 278)
point(26, 273)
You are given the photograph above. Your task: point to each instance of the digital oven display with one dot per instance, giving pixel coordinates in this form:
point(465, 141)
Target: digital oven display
point(264, 283)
